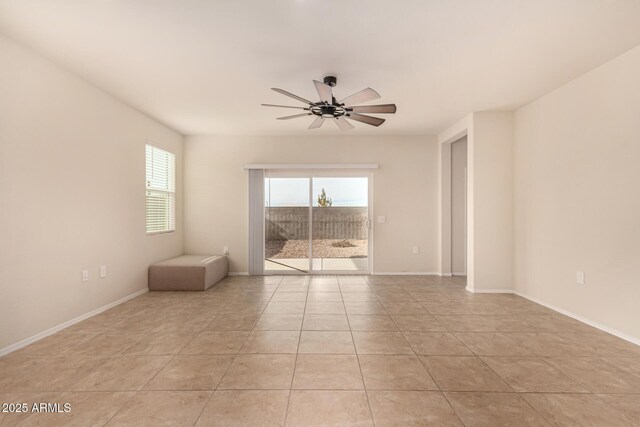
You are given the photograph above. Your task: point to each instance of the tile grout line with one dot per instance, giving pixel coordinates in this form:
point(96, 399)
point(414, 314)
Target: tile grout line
point(295, 362)
point(476, 355)
point(535, 410)
point(596, 395)
point(164, 366)
point(134, 391)
point(236, 297)
point(215, 390)
point(442, 393)
point(453, 333)
point(410, 346)
point(355, 349)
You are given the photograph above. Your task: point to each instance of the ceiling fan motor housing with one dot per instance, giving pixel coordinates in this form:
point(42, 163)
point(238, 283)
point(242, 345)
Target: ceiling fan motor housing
point(327, 110)
point(330, 80)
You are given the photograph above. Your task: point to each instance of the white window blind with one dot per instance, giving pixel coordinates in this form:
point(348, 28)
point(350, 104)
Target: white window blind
point(160, 190)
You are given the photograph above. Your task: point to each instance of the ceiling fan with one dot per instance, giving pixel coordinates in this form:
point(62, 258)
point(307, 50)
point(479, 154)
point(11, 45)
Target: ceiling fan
point(337, 111)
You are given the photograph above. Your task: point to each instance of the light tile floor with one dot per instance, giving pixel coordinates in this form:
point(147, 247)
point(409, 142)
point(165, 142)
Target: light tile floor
point(327, 350)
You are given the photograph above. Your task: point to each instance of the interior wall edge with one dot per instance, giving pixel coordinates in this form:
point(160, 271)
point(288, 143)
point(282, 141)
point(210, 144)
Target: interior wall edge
point(37, 337)
point(81, 163)
point(575, 197)
point(604, 328)
point(92, 83)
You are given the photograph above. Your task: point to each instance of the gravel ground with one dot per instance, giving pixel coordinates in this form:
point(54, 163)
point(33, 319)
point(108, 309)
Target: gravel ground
point(321, 249)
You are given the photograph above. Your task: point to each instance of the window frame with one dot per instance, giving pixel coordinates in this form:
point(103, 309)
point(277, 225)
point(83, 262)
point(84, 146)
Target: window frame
point(170, 191)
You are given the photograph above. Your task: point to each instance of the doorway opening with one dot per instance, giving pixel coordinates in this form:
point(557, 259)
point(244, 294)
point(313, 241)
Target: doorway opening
point(317, 223)
point(459, 207)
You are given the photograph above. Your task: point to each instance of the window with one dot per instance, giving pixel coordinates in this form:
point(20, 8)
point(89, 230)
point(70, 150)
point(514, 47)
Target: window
point(160, 190)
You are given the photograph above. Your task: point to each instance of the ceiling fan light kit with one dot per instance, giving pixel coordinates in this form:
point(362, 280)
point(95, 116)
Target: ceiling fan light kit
point(328, 108)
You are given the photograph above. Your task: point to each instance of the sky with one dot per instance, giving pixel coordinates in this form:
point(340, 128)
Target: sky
point(295, 191)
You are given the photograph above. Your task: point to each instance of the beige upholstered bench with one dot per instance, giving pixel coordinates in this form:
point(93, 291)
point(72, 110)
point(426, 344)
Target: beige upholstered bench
point(187, 273)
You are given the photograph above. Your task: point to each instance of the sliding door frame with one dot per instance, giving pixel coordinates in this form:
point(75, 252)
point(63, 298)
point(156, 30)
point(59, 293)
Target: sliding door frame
point(326, 173)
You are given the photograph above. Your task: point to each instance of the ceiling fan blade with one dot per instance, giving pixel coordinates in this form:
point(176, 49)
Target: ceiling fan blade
point(373, 121)
point(380, 109)
point(283, 106)
point(365, 95)
point(295, 116)
point(324, 92)
point(289, 94)
point(343, 123)
point(317, 123)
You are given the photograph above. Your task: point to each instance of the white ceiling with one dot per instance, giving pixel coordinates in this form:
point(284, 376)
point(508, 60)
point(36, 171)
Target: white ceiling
point(204, 67)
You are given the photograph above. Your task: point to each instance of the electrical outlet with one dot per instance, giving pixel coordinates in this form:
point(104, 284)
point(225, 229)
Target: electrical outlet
point(382, 219)
point(85, 275)
point(416, 249)
point(103, 271)
point(580, 277)
point(226, 250)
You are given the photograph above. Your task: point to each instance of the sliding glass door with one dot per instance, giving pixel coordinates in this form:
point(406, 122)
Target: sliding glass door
point(340, 224)
point(316, 223)
point(287, 216)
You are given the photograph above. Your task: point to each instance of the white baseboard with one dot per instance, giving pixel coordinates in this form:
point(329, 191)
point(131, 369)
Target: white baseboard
point(376, 273)
point(490, 291)
point(25, 342)
point(589, 322)
point(405, 273)
point(459, 273)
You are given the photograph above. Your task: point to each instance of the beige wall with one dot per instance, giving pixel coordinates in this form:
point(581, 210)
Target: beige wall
point(71, 196)
point(489, 199)
point(404, 190)
point(492, 151)
point(458, 206)
point(577, 196)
